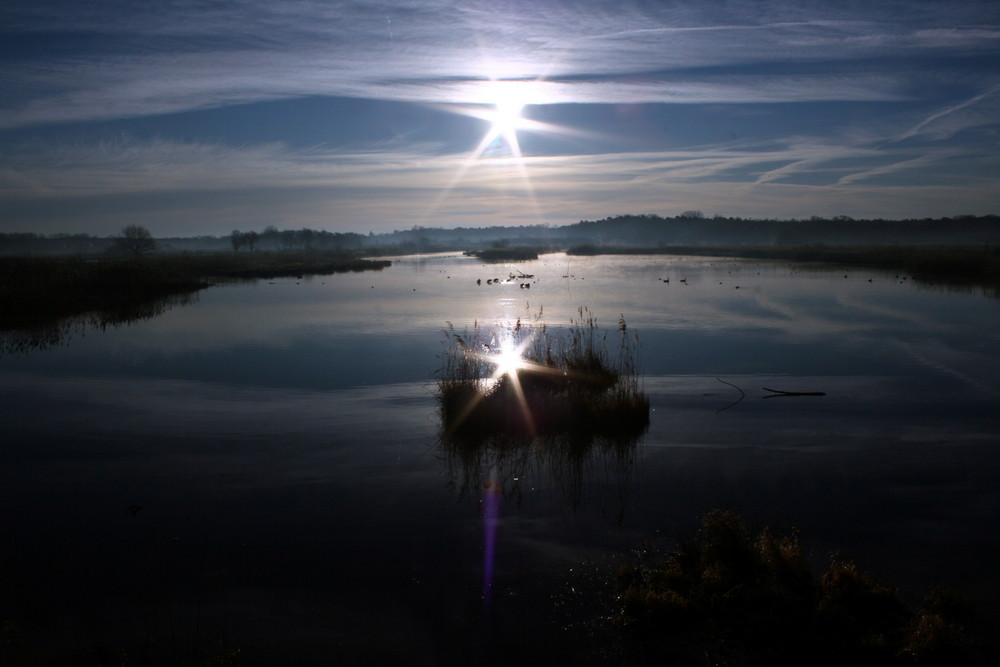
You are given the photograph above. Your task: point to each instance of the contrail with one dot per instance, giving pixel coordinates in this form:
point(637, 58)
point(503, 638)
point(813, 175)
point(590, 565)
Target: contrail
point(958, 107)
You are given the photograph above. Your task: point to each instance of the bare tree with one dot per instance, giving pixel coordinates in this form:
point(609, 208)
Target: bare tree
point(240, 239)
point(237, 239)
point(135, 240)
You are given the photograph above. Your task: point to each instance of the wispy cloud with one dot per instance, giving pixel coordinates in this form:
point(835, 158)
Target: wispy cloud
point(156, 59)
point(825, 107)
point(919, 162)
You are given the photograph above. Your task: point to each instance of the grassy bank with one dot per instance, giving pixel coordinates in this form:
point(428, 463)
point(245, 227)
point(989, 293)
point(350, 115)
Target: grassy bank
point(40, 291)
point(952, 265)
point(269, 264)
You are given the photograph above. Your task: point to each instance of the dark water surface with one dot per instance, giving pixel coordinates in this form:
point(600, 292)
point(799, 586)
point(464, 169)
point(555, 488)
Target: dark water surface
point(280, 440)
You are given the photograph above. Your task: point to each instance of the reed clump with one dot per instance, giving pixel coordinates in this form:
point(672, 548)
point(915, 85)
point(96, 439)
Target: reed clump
point(520, 381)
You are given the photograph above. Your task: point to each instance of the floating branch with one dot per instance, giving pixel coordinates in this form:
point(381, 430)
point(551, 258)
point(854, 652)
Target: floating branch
point(742, 395)
point(778, 392)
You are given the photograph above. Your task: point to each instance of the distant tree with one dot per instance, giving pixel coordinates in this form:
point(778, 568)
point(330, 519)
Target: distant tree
point(270, 237)
point(250, 240)
point(135, 240)
point(236, 238)
point(288, 238)
point(693, 215)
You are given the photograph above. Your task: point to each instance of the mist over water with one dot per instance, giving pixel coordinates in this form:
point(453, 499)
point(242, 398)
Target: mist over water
point(280, 441)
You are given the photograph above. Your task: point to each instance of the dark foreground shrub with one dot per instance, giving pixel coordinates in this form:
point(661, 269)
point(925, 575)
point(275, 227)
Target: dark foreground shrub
point(749, 598)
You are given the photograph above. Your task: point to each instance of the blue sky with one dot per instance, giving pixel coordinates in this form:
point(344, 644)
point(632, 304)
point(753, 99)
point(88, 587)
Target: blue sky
point(202, 117)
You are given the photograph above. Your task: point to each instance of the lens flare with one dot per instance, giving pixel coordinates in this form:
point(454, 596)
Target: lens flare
point(492, 495)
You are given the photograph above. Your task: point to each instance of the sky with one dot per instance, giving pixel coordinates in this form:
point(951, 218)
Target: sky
point(199, 117)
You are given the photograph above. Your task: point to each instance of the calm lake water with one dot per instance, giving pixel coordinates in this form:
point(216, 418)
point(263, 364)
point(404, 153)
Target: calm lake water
point(280, 438)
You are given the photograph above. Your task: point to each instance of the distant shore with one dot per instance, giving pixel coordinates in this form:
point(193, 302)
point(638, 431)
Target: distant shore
point(972, 266)
point(40, 291)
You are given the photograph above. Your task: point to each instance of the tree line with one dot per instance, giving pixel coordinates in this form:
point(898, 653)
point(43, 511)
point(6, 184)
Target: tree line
point(691, 228)
point(137, 240)
point(272, 238)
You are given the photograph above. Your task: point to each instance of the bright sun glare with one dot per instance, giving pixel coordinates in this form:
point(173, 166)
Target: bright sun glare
point(507, 116)
point(500, 103)
point(502, 107)
point(505, 119)
point(509, 360)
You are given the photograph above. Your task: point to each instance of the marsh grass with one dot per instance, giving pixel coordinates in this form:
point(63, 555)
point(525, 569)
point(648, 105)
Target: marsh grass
point(43, 297)
point(570, 382)
point(36, 291)
point(749, 597)
point(276, 264)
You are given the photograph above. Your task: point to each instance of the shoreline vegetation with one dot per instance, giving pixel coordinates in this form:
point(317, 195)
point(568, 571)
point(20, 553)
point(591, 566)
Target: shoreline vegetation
point(38, 292)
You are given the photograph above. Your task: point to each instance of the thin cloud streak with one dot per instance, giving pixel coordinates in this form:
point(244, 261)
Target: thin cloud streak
point(273, 183)
point(126, 166)
point(964, 122)
point(919, 162)
point(146, 92)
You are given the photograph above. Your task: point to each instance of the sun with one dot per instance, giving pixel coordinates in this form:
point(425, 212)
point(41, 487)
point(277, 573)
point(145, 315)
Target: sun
point(505, 117)
point(509, 360)
point(501, 105)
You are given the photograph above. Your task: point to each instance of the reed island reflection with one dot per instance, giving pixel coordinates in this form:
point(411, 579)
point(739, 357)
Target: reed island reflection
point(526, 402)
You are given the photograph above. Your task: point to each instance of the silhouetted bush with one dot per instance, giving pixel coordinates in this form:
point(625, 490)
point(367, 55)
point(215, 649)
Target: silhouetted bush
point(750, 598)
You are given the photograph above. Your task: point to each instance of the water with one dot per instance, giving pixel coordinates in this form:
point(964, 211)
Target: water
point(262, 464)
